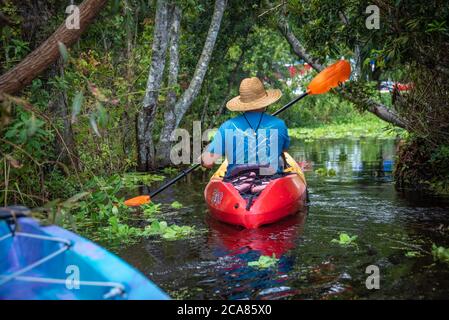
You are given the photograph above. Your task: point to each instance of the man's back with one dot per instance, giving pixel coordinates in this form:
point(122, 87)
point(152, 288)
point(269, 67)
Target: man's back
point(253, 138)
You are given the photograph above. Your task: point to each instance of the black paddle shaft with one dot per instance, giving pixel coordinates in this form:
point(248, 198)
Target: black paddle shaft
point(176, 179)
point(195, 166)
point(288, 105)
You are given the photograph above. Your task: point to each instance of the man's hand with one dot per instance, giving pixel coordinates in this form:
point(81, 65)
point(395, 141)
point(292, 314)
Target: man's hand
point(208, 159)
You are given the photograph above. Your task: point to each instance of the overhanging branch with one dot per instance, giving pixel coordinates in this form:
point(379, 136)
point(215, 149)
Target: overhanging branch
point(41, 58)
point(372, 106)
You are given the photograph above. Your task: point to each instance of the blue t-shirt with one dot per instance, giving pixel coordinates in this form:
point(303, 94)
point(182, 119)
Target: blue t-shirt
point(238, 141)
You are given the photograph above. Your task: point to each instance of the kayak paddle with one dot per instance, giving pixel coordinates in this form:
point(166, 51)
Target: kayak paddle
point(327, 79)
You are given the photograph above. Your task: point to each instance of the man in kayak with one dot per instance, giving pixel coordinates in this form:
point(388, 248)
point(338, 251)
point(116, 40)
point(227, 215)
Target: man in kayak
point(254, 138)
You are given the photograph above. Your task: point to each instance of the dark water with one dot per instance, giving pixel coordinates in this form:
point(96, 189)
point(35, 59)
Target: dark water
point(360, 200)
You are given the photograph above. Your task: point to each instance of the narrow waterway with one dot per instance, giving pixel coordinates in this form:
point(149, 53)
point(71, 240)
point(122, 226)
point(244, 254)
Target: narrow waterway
point(395, 232)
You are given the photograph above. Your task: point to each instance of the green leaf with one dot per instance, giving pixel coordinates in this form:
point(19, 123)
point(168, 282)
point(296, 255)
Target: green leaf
point(264, 262)
point(440, 253)
point(176, 205)
point(155, 226)
point(163, 225)
point(172, 232)
point(151, 209)
point(345, 239)
point(412, 254)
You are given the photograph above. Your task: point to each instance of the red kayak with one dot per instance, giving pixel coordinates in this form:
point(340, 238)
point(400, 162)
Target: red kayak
point(280, 198)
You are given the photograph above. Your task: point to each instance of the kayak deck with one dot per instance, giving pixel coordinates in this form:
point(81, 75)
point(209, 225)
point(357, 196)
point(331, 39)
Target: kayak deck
point(53, 263)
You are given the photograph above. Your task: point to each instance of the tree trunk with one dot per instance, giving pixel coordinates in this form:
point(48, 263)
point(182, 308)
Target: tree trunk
point(48, 52)
point(146, 117)
point(296, 45)
point(126, 120)
point(375, 108)
point(358, 62)
point(204, 112)
point(59, 108)
point(201, 68)
point(187, 98)
point(164, 146)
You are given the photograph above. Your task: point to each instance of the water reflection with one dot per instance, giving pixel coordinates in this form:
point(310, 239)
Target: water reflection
point(235, 247)
point(348, 157)
point(274, 239)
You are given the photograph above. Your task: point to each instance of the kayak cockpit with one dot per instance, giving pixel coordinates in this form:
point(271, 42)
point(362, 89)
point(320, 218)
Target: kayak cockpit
point(249, 205)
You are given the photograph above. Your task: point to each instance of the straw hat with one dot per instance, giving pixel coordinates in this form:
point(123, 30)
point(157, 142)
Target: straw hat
point(253, 96)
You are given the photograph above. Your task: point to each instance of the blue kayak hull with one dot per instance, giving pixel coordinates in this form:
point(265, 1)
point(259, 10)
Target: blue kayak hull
point(101, 274)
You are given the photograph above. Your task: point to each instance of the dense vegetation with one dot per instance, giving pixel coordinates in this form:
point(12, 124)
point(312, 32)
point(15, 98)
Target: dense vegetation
point(72, 131)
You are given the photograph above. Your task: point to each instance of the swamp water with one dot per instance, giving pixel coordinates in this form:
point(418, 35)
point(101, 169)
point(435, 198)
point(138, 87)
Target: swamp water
point(395, 232)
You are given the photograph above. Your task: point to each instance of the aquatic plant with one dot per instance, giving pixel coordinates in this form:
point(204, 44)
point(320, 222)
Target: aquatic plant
point(264, 262)
point(176, 205)
point(134, 179)
point(170, 171)
point(98, 213)
point(345, 240)
point(168, 232)
point(150, 209)
point(413, 254)
point(323, 172)
point(440, 253)
point(365, 127)
point(117, 231)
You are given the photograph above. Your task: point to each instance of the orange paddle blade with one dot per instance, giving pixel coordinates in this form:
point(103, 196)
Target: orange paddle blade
point(137, 201)
point(330, 77)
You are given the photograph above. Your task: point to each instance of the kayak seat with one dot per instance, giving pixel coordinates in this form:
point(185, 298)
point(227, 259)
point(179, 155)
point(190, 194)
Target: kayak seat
point(290, 166)
point(249, 183)
point(241, 169)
